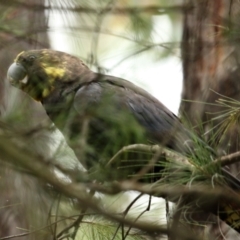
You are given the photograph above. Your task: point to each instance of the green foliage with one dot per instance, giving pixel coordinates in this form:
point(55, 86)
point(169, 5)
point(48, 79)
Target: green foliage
point(91, 29)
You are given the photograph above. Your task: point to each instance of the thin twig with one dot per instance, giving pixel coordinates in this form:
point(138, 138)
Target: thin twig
point(176, 218)
point(227, 160)
point(148, 166)
point(147, 209)
point(126, 212)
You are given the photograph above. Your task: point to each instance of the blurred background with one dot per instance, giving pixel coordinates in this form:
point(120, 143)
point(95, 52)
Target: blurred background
point(175, 49)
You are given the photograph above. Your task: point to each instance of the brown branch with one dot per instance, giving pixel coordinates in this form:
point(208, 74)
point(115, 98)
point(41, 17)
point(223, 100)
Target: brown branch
point(168, 191)
point(227, 160)
point(151, 149)
point(152, 9)
point(12, 153)
point(9, 152)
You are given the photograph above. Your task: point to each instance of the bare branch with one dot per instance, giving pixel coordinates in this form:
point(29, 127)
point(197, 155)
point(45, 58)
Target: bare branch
point(227, 160)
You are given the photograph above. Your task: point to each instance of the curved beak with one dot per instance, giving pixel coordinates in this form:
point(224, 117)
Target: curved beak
point(17, 74)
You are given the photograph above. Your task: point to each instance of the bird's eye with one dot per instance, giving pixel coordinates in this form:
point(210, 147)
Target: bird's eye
point(31, 58)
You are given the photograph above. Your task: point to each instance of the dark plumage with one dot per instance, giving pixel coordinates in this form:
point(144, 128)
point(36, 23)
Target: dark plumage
point(100, 114)
point(117, 112)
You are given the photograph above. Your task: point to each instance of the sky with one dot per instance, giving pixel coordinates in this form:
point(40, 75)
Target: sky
point(162, 78)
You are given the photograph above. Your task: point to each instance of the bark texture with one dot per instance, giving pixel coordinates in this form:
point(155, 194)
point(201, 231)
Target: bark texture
point(211, 69)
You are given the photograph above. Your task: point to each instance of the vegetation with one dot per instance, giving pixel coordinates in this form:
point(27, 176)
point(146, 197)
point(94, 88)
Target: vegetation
point(46, 192)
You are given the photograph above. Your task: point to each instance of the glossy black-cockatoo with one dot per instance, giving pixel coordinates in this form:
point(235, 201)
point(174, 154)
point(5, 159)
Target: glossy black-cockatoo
point(99, 114)
point(118, 112)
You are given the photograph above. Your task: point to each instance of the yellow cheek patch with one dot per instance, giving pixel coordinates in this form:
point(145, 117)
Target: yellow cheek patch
point(54, 72)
